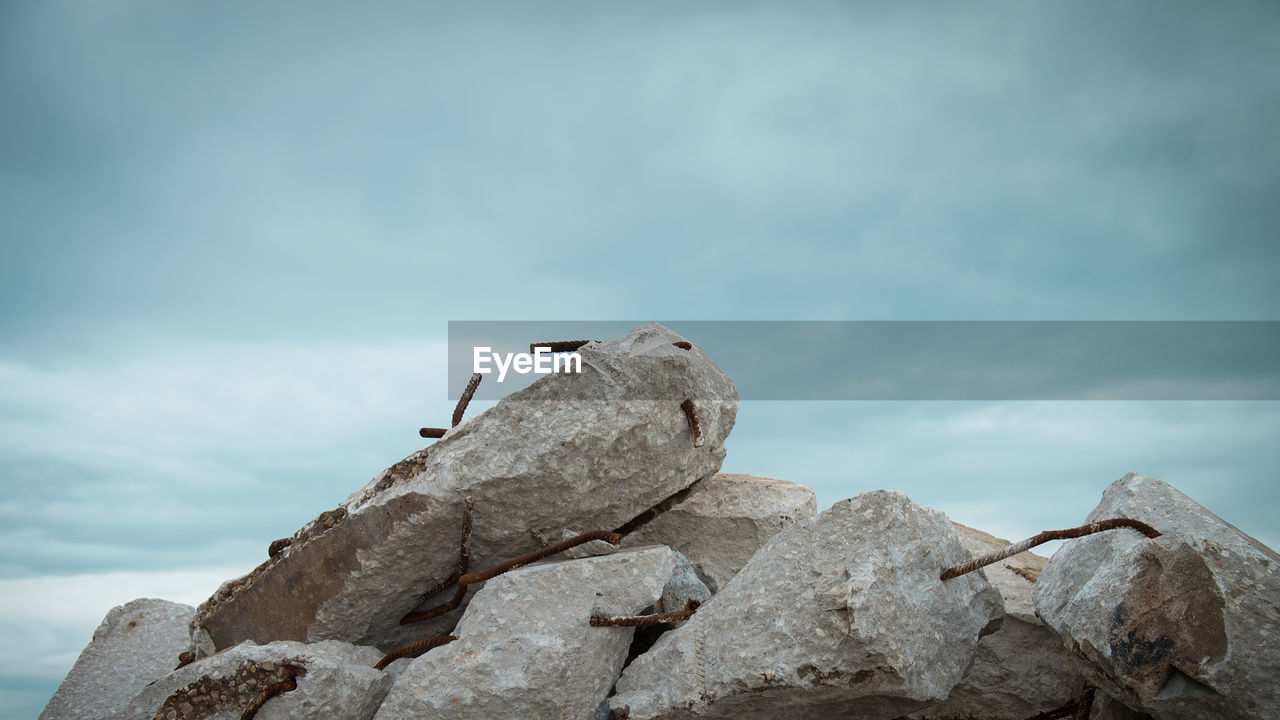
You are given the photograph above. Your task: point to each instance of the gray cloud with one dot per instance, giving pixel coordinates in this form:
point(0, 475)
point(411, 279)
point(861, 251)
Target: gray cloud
point(186, 189)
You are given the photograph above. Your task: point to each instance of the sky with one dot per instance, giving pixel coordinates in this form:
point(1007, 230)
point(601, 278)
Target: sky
point(234, 235)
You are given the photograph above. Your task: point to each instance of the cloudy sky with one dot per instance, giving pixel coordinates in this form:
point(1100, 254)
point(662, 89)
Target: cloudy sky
point(234, 234)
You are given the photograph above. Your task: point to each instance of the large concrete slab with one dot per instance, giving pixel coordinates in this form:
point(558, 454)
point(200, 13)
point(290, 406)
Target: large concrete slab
point(587, 451)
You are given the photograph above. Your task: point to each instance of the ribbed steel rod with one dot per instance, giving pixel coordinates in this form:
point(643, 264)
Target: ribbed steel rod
point(1045, 537)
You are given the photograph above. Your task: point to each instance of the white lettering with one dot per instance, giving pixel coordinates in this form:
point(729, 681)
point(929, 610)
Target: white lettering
point(541, 362)
point(565, 359)
point(502, 367)
point(541, 354)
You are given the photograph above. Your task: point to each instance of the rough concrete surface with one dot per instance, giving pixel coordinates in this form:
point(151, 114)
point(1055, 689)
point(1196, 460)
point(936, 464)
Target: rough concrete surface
point(586, 451)
point(1181, 626)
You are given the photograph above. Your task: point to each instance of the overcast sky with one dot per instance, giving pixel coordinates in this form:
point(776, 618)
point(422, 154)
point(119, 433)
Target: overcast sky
point(234, 233)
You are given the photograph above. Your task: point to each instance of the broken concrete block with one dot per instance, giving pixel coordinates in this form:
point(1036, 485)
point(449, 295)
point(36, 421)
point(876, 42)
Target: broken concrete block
point(1180, 626)
point(1021, 669)
point(684, 587)
point(136, 643)
point(332, 680)
point(838, 616)
point(592, 450)
point(725, 519)
point(525, 647)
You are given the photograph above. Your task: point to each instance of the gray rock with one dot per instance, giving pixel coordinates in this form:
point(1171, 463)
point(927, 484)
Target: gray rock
point(1182, 626)
point(136, 643)
point(587, 451)
point(838, 616)
point(725, 519)
point(1021, 669)
point(525, 648)
point(334, 680)
point(683, 587)
point(1107, 708)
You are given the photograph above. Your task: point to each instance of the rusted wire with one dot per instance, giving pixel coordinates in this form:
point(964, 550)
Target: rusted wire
point(691, 414)
point(640, 620)
point(1085, 703)
point(458, 593)
point(1045, 537)
point(432, 432)
point(1024, 573)
point(473, 578)
point(414, 649)
point(559, 346)
point(464, 564)
point(277, 545)
point(610, 537)
point(465, 400)
point(185, 658)
point(683, 345)
point(290, 682)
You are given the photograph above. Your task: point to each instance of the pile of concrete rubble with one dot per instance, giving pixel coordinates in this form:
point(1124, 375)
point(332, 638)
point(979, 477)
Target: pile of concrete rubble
point(574, 554)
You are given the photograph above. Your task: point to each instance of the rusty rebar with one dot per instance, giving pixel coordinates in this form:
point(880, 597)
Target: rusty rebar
point(465, 400)
point(639, 620)
point(546, 552)
point(473, 578)
point(277, 545)
point(414, 649)
point(1045, 537)
point(1085, 703)
point(432, 432)
point(683, 345)
point(464, 564)
point(691, 414)
point(290, 682)
point(453, 602)
point(185, 658)
point(559, 346)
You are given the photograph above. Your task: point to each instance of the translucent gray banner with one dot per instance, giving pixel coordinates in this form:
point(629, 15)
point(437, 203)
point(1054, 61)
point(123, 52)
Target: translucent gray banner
point(934, 360)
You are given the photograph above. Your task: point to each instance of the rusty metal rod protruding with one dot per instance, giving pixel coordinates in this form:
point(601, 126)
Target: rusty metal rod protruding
point(691, 414)
point(458, 593)
point(465, 400)
point(276, 546)
point(473, 578)
point(559, 346)
point(612, 538)
point(464, 564)
point(683, 345)
point(288, 683)
point(414, 649)
point(1045, 537)
point(432, 432)
point(640, 620)
point(464, 553)
point(1085, 703)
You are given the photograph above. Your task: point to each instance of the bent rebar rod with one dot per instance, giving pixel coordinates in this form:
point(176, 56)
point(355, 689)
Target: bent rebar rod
point(1045, 537)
